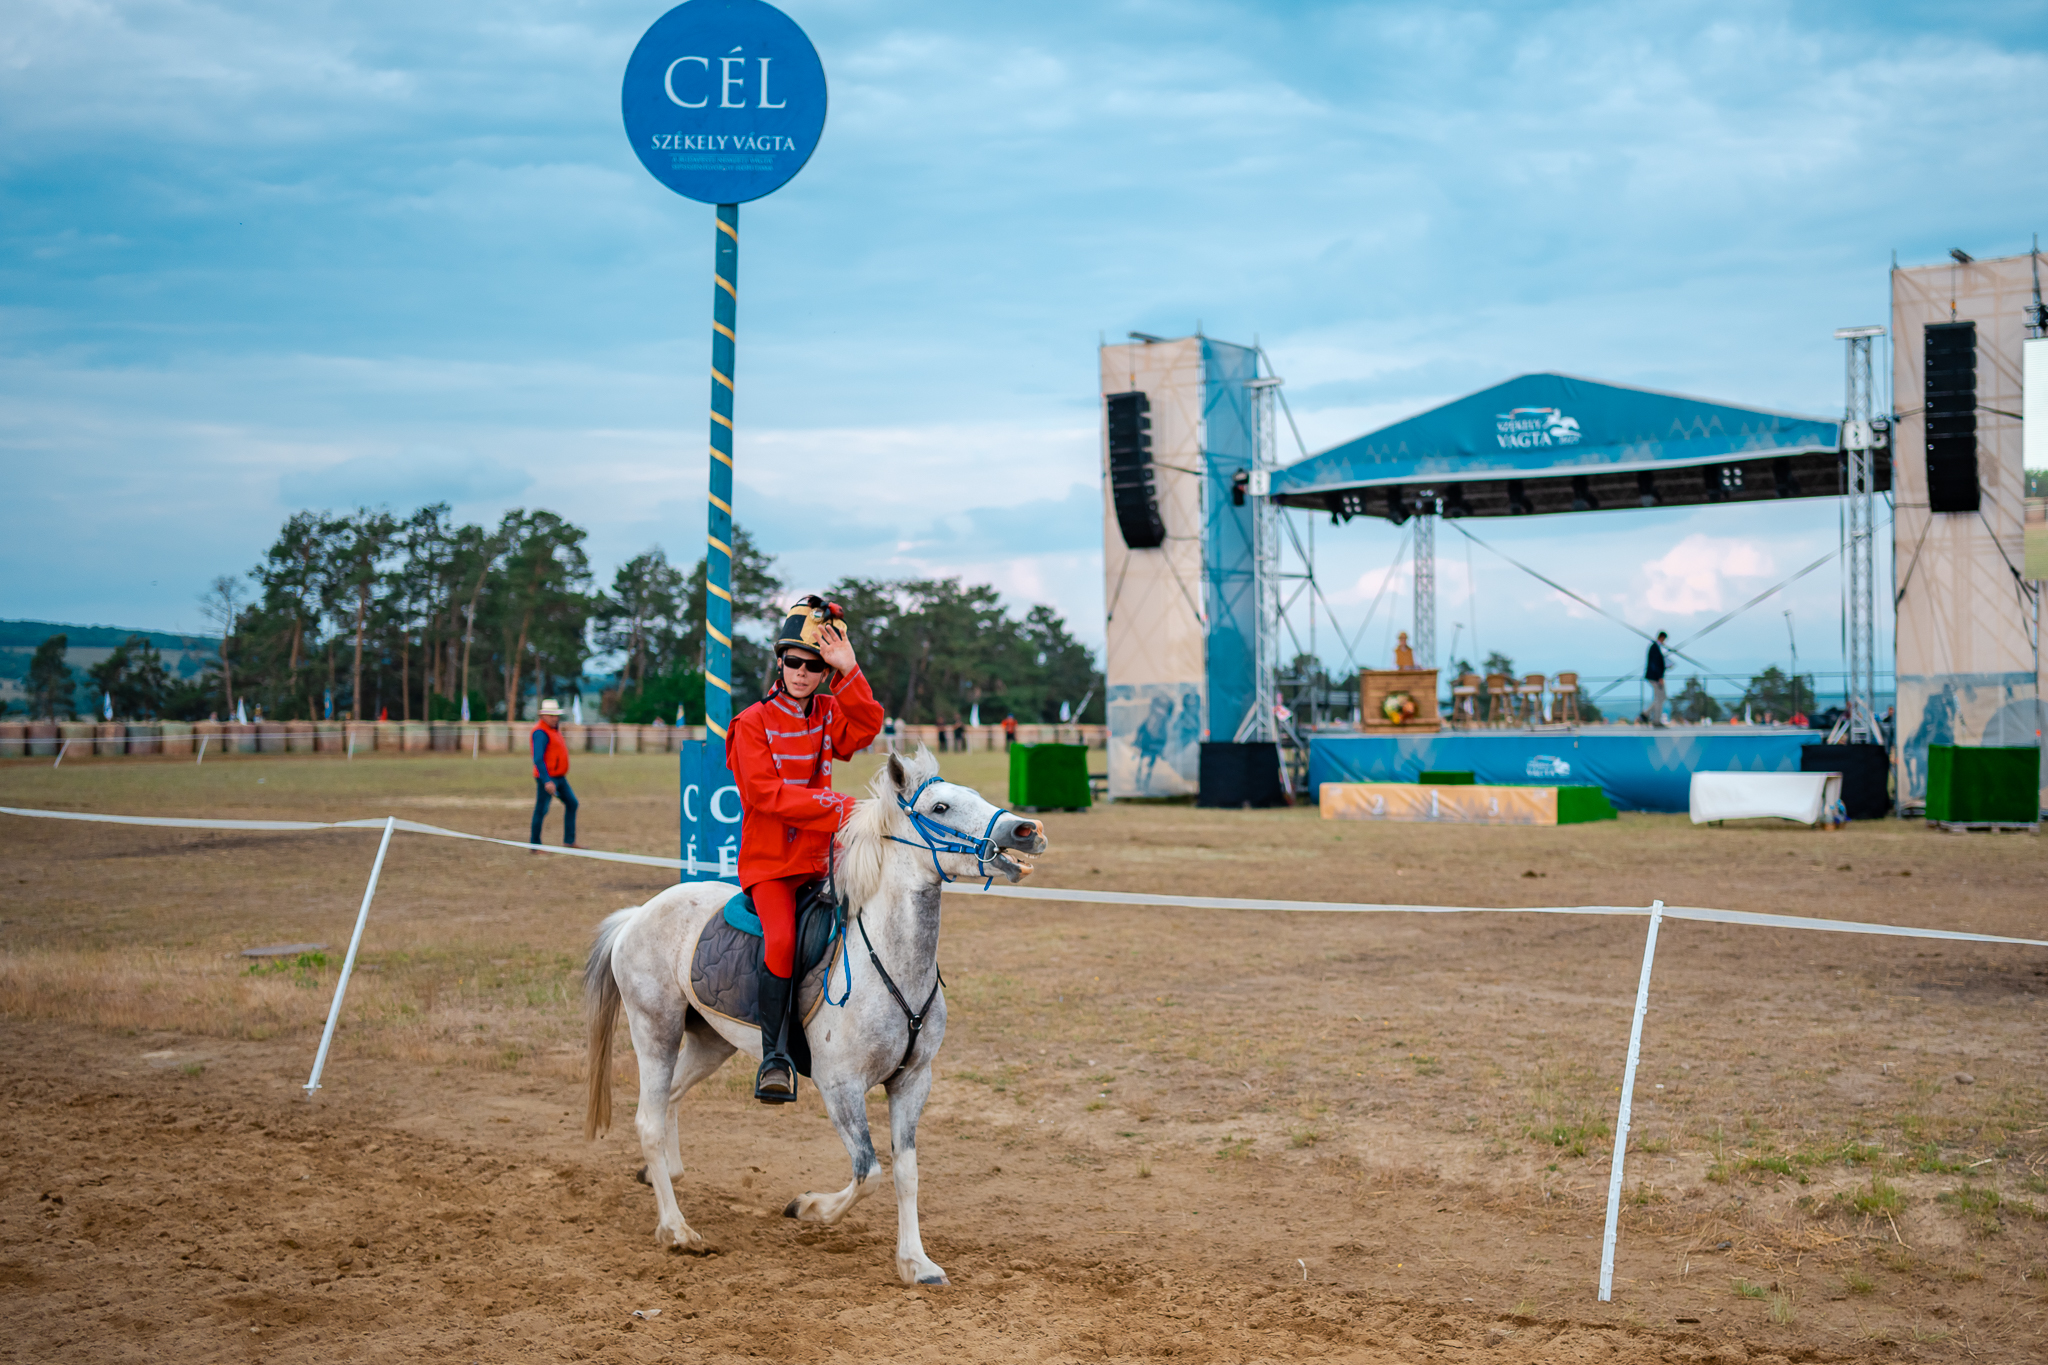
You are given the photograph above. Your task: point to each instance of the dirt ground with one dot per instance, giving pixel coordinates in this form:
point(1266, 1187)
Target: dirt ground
point(1194, 1135)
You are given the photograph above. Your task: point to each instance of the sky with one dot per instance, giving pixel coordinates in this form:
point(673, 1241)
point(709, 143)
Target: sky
point(257, 258)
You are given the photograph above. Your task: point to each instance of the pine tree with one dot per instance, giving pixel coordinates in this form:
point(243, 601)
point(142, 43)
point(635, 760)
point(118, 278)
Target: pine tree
point(49, 679)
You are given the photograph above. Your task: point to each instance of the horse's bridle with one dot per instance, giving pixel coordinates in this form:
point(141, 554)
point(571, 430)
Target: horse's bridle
point(935, 838)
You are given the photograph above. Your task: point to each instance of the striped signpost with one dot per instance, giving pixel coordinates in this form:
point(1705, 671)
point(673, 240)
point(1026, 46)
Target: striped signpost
point(724, 101)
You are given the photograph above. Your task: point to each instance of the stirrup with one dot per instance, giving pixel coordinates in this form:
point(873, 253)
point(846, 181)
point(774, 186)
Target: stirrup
point(773, 1068)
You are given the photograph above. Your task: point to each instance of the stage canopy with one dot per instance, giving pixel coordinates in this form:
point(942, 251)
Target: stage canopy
point(1543, 443)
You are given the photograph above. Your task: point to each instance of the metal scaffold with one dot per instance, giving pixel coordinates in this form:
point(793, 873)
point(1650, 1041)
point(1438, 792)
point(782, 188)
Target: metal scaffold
point(1423, 641)
point(1261, 723)
point(1859, 535)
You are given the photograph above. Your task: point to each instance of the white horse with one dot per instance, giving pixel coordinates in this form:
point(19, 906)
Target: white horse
point(896, 849)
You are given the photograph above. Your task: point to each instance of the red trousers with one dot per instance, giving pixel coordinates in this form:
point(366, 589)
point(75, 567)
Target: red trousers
point(775, 903)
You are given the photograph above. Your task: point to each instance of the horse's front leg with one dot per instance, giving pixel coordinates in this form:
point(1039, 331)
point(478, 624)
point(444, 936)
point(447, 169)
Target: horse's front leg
point(906, 1105)
point(847, 1103)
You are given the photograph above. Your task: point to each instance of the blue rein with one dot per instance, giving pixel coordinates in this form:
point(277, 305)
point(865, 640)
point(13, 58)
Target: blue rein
point(935, 838)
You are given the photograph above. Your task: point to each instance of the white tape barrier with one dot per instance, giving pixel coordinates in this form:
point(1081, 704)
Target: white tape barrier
point(1657, 912)
point(1702, 914)
point(289, 826)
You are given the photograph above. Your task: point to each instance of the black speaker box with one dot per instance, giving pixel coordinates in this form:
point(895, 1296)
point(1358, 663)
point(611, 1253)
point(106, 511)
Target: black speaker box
point(1131, 489)
point(1866, 771)
point(1233, 776)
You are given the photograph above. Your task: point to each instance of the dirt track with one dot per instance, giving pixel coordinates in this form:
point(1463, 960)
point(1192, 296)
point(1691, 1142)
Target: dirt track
point(1199, 1136)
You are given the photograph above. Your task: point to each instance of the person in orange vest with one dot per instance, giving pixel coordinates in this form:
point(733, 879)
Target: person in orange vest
point(551, 773)
point(781, 751)
point(1009, 732)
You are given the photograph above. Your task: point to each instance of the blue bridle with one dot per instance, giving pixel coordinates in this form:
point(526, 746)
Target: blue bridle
point(935, 838)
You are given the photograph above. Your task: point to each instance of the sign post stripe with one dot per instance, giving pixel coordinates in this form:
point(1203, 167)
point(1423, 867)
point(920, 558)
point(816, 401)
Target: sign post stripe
point(718, 515)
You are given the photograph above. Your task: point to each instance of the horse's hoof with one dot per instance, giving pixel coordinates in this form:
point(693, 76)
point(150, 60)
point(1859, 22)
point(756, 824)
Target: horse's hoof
point(686, 1239)
point(789, 1209)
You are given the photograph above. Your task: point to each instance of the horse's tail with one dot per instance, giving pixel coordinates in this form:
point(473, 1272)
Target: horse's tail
point(601, 1003)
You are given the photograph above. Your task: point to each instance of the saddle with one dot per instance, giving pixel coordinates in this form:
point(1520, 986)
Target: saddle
point(725, 961)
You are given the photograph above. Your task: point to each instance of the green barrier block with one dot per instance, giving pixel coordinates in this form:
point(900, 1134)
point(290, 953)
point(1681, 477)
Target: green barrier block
point(1049, 776)
point(1983, 786)
point(1577, 805)
point(1445, 779)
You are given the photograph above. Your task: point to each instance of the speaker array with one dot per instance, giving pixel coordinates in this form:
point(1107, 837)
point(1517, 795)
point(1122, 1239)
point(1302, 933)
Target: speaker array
point(1951, 416)
point(1131, 488)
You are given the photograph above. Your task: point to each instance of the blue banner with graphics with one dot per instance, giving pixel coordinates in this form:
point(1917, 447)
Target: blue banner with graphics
point(1639, 770)
point(711, 816)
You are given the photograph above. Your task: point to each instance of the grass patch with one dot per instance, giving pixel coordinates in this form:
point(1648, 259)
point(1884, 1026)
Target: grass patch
point(1303, 1137)
point(1983, 1208)
point(1574, 1139)
point(1856, 1282)
point(1747, 1290)
point(1235, 1148)
point(1880, 1197)
point(1781, 1310)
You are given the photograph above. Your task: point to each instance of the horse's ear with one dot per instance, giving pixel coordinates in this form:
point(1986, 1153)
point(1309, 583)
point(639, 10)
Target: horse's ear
point(897, 777)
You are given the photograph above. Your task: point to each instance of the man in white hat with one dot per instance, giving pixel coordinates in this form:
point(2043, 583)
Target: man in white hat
point(551, 773)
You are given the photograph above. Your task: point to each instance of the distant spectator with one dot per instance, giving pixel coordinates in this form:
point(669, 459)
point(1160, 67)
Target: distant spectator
point(1009, 732)
point(942, 737)
point(959, 738)
point(1653, 673)
point(551, 773)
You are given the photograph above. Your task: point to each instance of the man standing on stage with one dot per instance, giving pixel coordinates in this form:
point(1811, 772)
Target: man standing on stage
point(1653, 673)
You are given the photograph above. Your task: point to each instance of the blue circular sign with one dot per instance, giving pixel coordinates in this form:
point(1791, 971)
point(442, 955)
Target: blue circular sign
point(724, 100)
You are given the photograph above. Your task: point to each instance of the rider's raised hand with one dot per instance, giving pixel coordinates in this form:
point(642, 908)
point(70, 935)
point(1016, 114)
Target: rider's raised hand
point(834, 648)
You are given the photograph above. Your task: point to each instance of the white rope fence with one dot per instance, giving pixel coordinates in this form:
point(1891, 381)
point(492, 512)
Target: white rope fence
point(1656, 912)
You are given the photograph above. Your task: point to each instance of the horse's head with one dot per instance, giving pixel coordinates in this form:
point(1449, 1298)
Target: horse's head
point(957, 815)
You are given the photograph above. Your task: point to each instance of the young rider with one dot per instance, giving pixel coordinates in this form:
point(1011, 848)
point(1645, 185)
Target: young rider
point(781, 751)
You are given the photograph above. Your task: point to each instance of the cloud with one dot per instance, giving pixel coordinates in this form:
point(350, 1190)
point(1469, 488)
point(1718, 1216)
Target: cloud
point(1687, 579)
point(404, 479)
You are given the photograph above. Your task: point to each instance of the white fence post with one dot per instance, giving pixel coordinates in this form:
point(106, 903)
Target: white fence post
point(202, 749)
point(348, 963)
point(61, 748)
point(1628, 1086)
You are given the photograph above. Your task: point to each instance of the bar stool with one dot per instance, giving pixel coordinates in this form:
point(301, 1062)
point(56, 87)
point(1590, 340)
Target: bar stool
point(1465, 700)
point(1565, 699)
point(1500, 690)
point(1529, 693)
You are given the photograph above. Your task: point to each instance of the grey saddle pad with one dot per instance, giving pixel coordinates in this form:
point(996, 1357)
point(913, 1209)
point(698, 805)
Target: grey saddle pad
point(725, 966)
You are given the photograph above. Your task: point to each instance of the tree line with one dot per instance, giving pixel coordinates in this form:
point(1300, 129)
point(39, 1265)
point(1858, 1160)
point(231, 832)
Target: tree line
point(370, 615)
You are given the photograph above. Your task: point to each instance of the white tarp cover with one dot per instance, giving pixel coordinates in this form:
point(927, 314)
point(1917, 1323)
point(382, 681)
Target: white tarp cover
point(1805, 797)
point(1968, 669)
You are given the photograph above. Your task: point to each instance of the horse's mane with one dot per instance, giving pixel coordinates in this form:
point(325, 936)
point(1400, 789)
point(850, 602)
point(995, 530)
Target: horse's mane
point(862, 844)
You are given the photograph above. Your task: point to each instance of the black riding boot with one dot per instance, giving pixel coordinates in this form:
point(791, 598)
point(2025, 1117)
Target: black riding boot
point(775, 1082)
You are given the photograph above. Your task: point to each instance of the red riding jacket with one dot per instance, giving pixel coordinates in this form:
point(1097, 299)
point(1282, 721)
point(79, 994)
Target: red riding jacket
point(781, 753)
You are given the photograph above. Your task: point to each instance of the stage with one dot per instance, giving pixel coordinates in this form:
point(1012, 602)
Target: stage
point(1639, 768)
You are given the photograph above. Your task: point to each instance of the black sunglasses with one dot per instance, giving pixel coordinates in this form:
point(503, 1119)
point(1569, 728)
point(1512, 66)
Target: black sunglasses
point(798, 661)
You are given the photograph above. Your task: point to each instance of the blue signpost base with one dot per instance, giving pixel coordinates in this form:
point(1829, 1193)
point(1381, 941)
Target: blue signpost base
point(711, 815)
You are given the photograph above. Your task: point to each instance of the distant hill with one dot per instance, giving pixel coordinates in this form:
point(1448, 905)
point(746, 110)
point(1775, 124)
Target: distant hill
point(185, 656)
point(17, 634)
